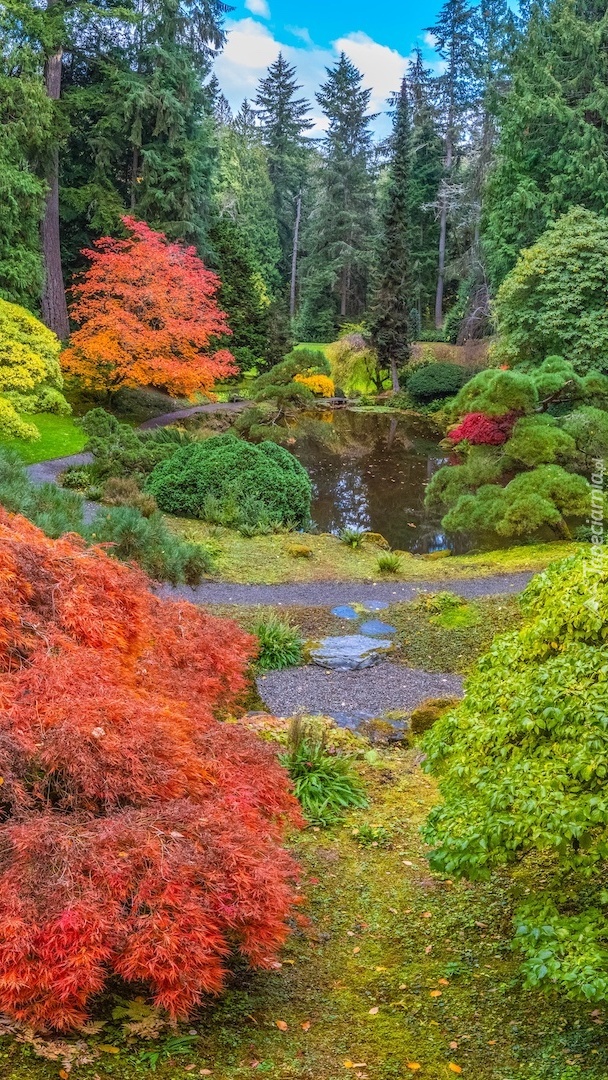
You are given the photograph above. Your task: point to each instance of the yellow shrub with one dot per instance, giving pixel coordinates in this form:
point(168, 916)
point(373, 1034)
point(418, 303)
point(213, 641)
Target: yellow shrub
point(319, 384)
point(30, 376)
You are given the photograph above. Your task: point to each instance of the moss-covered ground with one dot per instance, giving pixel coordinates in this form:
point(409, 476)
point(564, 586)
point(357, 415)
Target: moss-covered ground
point(393, 973)
point(279, 558)
point(59, 436)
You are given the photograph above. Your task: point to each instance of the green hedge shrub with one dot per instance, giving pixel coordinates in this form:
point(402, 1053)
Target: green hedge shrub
point(297, 362)
point(523, 763)
point(435, 381)
point(120, 450)
point(251, 485)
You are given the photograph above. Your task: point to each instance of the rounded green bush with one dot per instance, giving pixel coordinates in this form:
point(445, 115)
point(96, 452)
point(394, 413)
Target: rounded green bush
point(436, 381)
point(234, 482)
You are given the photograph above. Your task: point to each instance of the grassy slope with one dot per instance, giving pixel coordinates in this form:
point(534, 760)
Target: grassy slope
point(59, 436)
point(266, 559)
point(365, 974)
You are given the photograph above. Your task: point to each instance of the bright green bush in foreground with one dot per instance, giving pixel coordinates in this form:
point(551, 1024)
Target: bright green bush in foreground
point(226, 479)
point(523, 768)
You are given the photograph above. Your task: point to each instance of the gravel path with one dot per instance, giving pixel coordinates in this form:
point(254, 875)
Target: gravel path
point(333, 593)
point(352, 696)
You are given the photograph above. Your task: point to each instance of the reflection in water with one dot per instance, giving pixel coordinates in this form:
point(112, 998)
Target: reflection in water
point(369, 471)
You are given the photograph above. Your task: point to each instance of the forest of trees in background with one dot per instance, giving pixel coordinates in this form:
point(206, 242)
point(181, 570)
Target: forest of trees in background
point(109, 108)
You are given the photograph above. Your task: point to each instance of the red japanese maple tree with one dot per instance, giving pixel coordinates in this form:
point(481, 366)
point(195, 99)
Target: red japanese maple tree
point(481, 430)
point(147, 315)
point(139, 836)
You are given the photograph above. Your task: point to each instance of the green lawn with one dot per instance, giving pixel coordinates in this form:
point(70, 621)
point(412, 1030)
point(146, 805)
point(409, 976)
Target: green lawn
point(59, 436)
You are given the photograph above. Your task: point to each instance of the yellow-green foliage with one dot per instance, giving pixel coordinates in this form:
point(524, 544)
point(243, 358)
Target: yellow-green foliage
point(30, 376)
point(353, 363)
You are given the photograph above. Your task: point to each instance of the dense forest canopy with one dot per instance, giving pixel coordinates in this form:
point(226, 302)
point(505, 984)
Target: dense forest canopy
point(115, 109)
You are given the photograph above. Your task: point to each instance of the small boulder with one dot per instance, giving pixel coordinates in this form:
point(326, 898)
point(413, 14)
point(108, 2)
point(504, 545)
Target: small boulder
point(349, 653)
point(299, 551)
point(425, 715)
point(377, 540)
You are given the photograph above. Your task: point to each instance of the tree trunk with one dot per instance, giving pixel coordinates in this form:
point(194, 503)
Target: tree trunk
point(134, 174)
point(394, 376)
point(54, 307)
point(443, 228)
point(294, 256)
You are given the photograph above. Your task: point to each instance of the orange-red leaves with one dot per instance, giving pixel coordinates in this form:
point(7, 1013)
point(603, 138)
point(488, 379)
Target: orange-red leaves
point(147, 315)
point(142, 837)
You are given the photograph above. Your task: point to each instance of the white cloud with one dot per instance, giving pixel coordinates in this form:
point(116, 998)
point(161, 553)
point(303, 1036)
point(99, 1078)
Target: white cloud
point(258, 7)
point(429, 39)
point(382, 67)
point(251, 47)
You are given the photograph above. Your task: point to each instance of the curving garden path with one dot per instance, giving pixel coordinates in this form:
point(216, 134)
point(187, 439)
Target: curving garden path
point(348, 696)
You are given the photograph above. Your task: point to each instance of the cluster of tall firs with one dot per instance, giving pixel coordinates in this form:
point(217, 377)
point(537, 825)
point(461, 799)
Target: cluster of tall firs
point(109, 108)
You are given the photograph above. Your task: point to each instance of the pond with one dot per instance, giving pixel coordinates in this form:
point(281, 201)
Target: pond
point(369, 471)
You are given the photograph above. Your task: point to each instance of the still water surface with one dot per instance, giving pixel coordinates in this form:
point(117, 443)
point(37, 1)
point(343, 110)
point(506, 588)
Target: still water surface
point(369, 471)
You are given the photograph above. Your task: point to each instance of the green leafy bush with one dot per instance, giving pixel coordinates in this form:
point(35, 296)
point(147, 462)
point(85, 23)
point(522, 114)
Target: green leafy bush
point(131, 536)
point(523, 764)
point(122, 451)
point(352, 538)
point(539, 440)
point(554, 300)
point(297, 362)
point(252, 484)
point(280, 644)
point(433, 381)
point(325, 784)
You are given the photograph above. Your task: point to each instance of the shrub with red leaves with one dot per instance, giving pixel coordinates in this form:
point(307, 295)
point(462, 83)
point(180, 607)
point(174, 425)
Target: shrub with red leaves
point(481, 430)
point(139, 836)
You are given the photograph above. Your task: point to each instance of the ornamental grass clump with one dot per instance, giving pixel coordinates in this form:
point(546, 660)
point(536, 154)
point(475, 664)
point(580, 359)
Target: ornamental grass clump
point(142, 839)
point(325, 784)
point(280, 644)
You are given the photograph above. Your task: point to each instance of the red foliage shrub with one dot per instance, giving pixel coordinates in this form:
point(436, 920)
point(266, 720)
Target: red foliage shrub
point(139, 836)
point(147, 316)
point(481, 430)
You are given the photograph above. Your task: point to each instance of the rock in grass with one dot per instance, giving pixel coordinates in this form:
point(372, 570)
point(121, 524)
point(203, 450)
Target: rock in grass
point(299, 551)
point(428, 712)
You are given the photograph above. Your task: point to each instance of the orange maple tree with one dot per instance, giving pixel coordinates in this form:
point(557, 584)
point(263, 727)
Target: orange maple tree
point(147, 315)
point(139, 836)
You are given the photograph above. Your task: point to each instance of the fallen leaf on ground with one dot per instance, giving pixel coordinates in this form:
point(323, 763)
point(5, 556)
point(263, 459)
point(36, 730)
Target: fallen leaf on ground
point(406, 862)
point(393, 910)
point(205, 1072)
point(413, 1065)
point(454, 1068)
point(453, 1045)
point(428, 949)
point(64, 1074)
point(109, 1049)
point(381, 969)
point(443, 982)
point(354, 1065)
point(282, 1026)
point(305, 1026)
point(435, 993)
point(427, 915)
point(356, 950)
point(373, 1011)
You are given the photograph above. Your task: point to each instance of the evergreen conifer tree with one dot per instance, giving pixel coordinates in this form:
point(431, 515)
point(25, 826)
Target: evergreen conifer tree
point(284, 120)
point(456, 46)
point(340, 230)
point(391, 326)
point(552, 151)
point(427, 171)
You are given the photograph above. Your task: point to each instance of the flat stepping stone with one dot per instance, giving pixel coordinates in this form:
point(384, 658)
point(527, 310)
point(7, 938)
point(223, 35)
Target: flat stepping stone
point(375, 627)
point(349, 653)
point(345, 611)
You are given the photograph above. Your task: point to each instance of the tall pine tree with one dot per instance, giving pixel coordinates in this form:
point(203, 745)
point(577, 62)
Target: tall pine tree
point(456, 46)
point(553, 147)
point(427, 172)
point(340, 231)
point(391, 321)
point(284, 121)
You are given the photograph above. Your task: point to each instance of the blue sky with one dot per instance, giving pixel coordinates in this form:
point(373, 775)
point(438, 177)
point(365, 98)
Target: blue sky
point(378, 38)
